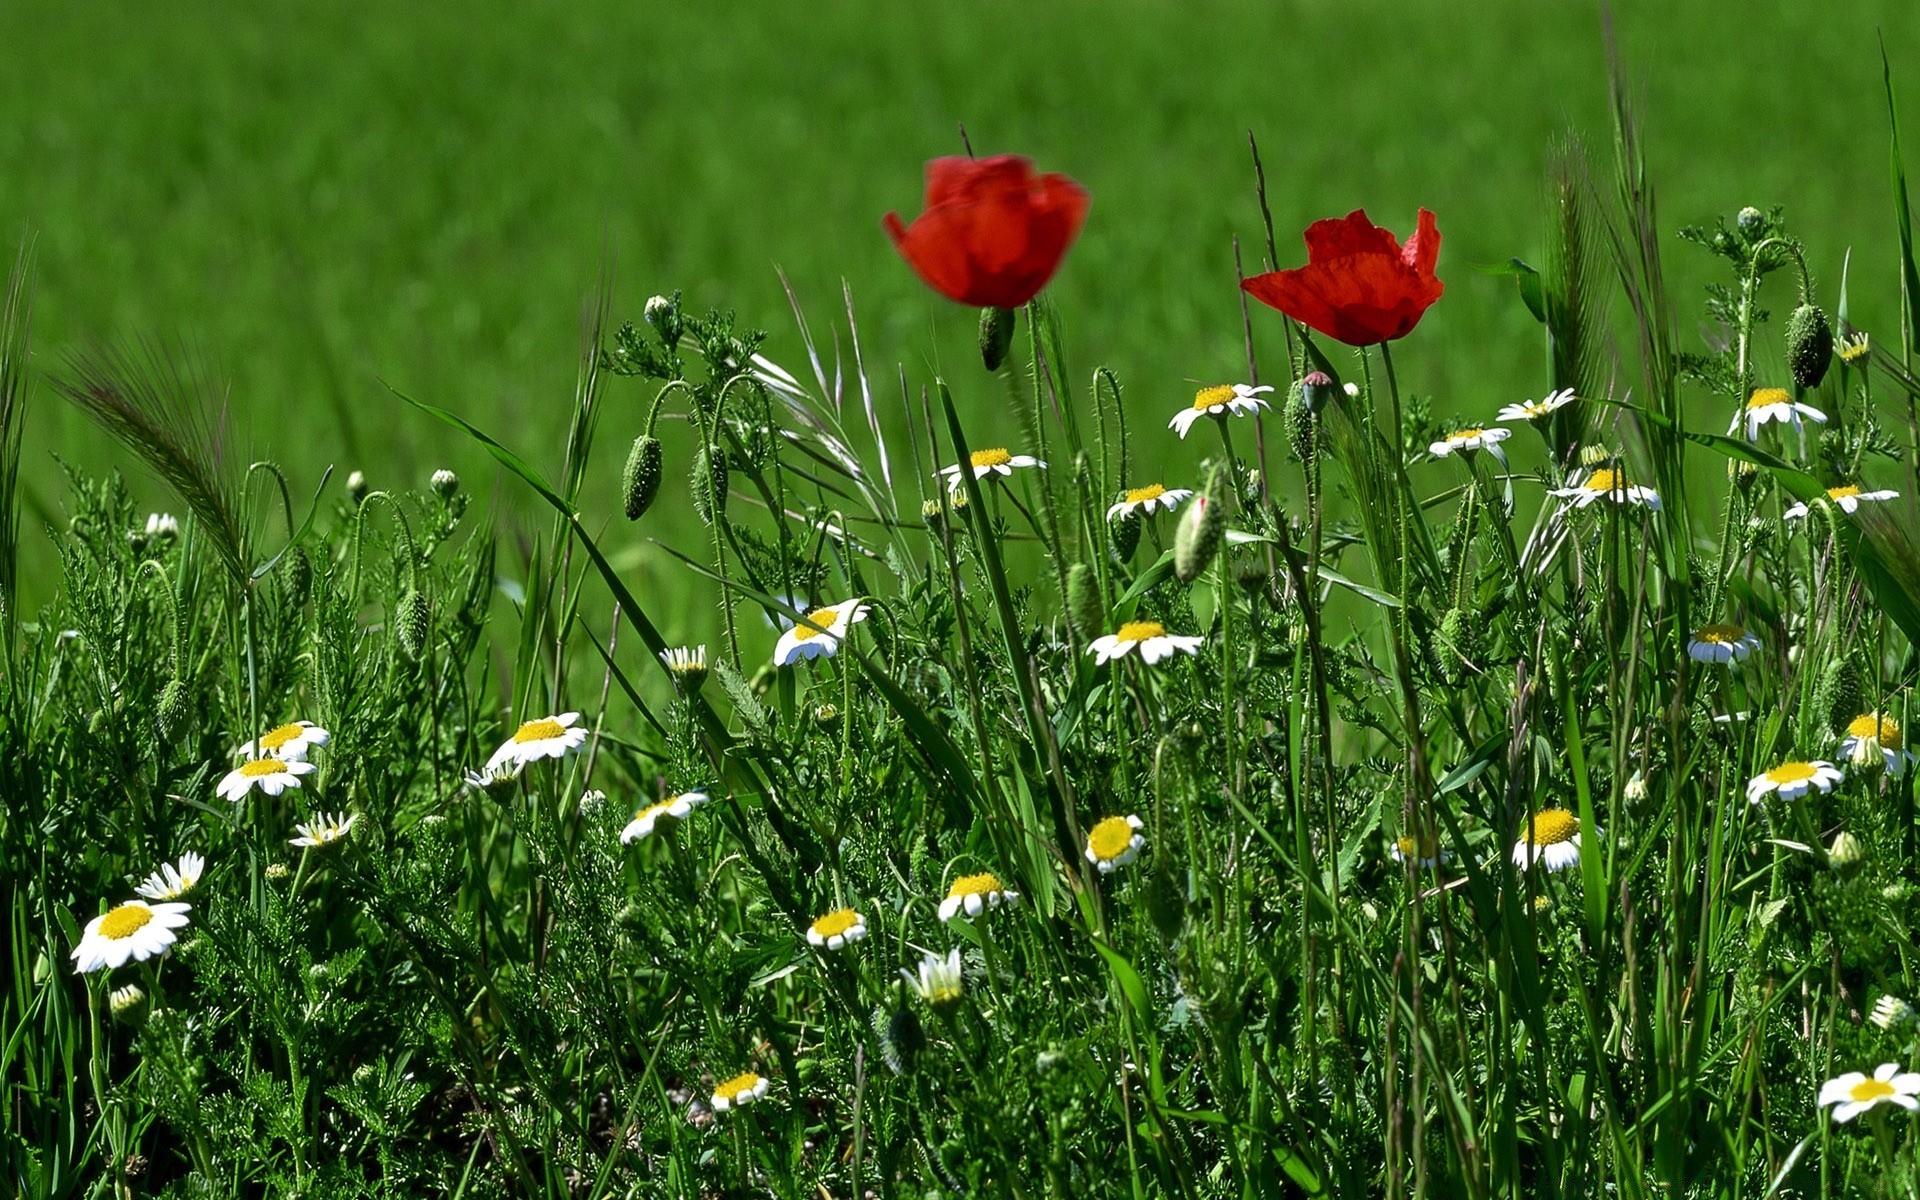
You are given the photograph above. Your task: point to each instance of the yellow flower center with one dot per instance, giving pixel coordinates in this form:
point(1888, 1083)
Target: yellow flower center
point(1793, 772)
point(1605, 480)
point(1140, 631)
point(996, 457)
point(262, 766)
point(538, 731)
point(1720, 635)
point(1845, 490)
point(1465, 435)
point(823, 617)
point(1152, 491)
point(1212, 397)
point(1417, 847)
point(1853, 349)
point(273, 739)
point(1884, 730)
point(740, 1084)
point(654, 810)
point(1551, 826)
point(1762, 397)
point(1110, 838)
point(1869, 1090)
point(125, 921)
point(975, 885)
point(836, 922)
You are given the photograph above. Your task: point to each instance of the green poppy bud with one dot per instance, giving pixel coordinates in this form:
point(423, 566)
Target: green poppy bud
point(996, 336)
point(709, 483)
point(1302, 425)
point(1123, 536)
point(1197, 539)
point(1084, 607)
point(1166, 902)
point(1456, 644)
point(640, 481)
point(413, 623)
point(1841, 693)
point(170, 713)
point(1809, 345)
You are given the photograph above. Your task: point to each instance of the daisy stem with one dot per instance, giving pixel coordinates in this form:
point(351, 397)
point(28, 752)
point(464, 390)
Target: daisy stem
point(97, 1075)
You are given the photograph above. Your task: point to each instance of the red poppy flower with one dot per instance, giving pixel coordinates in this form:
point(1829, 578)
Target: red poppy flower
point(1359, 286)
point(993, 233)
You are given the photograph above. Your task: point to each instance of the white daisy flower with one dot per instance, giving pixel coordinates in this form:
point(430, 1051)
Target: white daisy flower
point(1855, 1093)
point(687, 665)
point(549, 737)
point(1146, 499)
point(1877, 738)
point(133, 931)
point(270, 775)
point(1853, 348)
point(838, 928)
point(1774, 404)
point(493, 775)
point(1721, 643)
point(324, 831)
point(1533, 410)
point(941, 983)
point(1847, 496)
point(676, 807)
point(1608, 484)
point(123, 1001)
point(820, 634)
point(1551, 839)
point(1426, 851)
point(1794, 779)
point(289, 741)
point(973, 894)
point(1115, 842)
point(1466, 441)
point(993, 461)
point(743, 1089)
point(171, 882)
point(1229, 399)
point(1890, 1010)
point(1152, 638)
point(162, 525)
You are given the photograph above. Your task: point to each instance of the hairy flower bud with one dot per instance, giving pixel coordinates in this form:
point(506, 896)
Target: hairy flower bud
point(640, 480)
point(1302, 424)
point(1123, 534)
point(444, 483)
point(297, 576)
point(1084, 607)
point(170, 713)
point(709, 483)
point(996, 336)
point(413, 623)
point(1809, 345)
point(1751, 221)
point(1197, 539)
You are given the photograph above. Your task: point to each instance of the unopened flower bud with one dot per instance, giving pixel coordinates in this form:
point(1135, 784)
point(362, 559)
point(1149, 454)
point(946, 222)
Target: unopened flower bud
point(663, 313)
point(170, 713)
point(1197, 539)
point(413, 623)
point(1809, 345)
point(827, 717)
point(356, 487)
point(687, 665)
point(1084, 607)
point(1302, 425)
point(1318, 390)
point(1889, 1011)
point(640, 480)
point(1847, 855)
point(996, 336)
point(126, 1001)
point(1750, 221)
point(444, 483)
point(1596, 456)
point(1123, 535)
point(1743, 473)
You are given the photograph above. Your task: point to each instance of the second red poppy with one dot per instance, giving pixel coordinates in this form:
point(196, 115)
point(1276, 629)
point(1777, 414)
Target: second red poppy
point(1360, 286)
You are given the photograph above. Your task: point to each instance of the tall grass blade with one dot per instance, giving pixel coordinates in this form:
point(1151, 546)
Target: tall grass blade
point(16, 315)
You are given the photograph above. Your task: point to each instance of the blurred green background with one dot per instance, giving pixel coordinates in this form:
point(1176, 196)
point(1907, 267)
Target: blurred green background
point(325, 197)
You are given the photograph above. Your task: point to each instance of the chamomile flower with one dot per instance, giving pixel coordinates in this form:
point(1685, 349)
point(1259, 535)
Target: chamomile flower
point(973, 894)
point(1426, 851)
point(1115, 842)
point(270, 775)
point(1877, 738)
point(1890, 1010)
point(941, 983)
point(171, 882)
point(743, 1089)
point(1848, 496)
point(820, 634)
point(1855, 1093)
point(1721, 643)
point(162, 525)
point(1607, 483)
point(1146, 499)
point(1152, 639)
point(289, 741)
point(1228, 399)
point(132, 931)
point(1533, 410)
point(1774, 404)
point(125, 1001)
point(687, 665)
point(548, 737)
point(837, 929)
point(1466, 441)
point(1794, 779)
point(493, 775)
point(1853, 348)
point(677, 807)
point(324, 830)
point(1551, 839)
point(995, 460)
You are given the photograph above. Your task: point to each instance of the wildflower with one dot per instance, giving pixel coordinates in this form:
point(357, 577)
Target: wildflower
point(1848, 496)
point(1551, 839)
point(820, 634)
point(325, 831)
point(1466, 441)
point(974, 893)
point(162, 525)
point(1146, 499)
point(1151, 637)
point(133, 930)
point(1856, 1093)
point(678, 807)
point(1721, 643)
point(1533, 410)
point(494, 775)
point(992, 233)
point(687, 665)
point(356, 487)
point(1793, 779)
point(993, 461)
point(1115, 842)
point(1875, 737)
point(548, 737)
point(124, 1001)
point(1360, 285)
point(270, 775)
point(288, 741)
point(444, 483)
point(1890, 1010)
point(1222, 400)
point(742, 1089)
point(1853, 348)
point(1427, 851)
point(592, 801)
point(940, 981)
point(837, 929)
point(1611, 484)
point(1774, 404)
point(171, 882)
point(1635, 788)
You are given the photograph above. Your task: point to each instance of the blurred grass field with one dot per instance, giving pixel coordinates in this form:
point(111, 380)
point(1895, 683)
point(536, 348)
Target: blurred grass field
point(326, 197)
